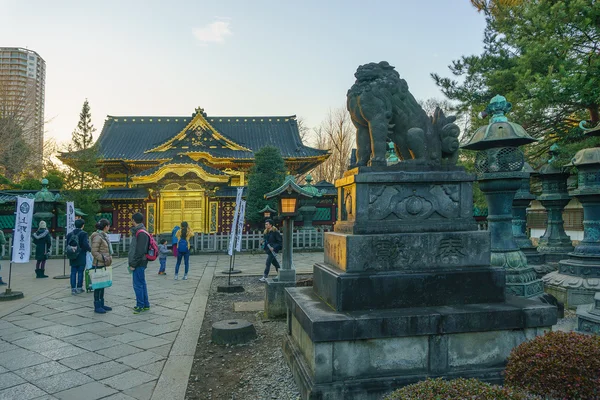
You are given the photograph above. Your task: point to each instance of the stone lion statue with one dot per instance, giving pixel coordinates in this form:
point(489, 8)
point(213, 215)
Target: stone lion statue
point(382, 108)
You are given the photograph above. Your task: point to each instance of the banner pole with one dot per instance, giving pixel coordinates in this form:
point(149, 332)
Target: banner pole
point(64, 275)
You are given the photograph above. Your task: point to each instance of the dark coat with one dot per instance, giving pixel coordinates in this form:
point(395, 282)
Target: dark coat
point(84, 245)
point(273, 237)
point(43, 243)
point(139, 247)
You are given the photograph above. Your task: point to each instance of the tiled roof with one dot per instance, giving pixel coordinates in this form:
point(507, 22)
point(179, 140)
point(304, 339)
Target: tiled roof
point(125, 194)
point(128, 138)
point(9, 196)
point(182, 159)
point(7, 221)
point(326, 188)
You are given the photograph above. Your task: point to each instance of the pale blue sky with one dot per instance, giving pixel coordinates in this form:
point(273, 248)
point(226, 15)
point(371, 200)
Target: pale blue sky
point(247, 58)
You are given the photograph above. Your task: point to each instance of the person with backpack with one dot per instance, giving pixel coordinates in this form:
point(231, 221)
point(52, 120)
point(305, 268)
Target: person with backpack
point(138, 261)
point(102, 257)
point(271, 244)
point(77, 247)
point(43, 244)
point(183, 249)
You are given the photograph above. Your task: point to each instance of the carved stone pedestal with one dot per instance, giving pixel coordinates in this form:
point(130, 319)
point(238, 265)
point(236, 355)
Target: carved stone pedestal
point(521, 201)
point(588, 316)
point(406, 291)
point(578, 277)
point(499, 189)
point(554, 244)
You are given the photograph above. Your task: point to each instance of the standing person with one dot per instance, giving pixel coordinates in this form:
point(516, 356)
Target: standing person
point(102, 257)
point(78, 237)
point(140, 240)
point(163, 251)
point(43, 244)
point(271, 244)
point(2, 243)
point(174, 239)
point(183, 249)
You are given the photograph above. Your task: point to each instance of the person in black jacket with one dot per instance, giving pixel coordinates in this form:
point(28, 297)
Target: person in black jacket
point(43, 243)
point(138, 262)
point(78, 264)
point(271, 244)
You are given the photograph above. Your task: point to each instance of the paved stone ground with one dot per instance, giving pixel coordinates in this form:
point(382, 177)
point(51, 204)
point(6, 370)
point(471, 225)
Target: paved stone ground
point(53, 346)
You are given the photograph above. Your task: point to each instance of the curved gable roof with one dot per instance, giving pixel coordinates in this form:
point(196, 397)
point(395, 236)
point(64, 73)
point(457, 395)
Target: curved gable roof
point(130, 138)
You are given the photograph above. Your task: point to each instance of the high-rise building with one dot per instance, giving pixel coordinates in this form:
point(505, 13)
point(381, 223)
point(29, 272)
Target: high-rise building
point(22, 94)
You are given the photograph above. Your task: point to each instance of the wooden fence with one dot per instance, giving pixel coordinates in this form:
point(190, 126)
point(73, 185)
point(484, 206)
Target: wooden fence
point(302, 239)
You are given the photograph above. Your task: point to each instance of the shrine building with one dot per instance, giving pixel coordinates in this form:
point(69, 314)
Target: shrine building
point(175, 169)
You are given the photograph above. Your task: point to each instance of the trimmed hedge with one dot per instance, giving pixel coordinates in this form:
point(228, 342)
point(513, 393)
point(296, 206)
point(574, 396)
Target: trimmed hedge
point(457, 389)
point(561, 365)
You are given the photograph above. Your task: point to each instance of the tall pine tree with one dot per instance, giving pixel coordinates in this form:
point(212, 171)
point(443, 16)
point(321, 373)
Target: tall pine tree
point(83, 171)
point(544, 57)
point(266, 175)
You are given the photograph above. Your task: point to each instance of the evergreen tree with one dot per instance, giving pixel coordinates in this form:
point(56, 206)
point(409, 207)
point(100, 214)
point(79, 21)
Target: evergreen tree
point(543, 57)
point(83, 171)
point(266, 175)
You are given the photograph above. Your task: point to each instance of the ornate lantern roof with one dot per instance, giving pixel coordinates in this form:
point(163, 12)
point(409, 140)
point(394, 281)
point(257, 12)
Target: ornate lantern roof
point(500, 132)
point(45, 195)
point(310, 188)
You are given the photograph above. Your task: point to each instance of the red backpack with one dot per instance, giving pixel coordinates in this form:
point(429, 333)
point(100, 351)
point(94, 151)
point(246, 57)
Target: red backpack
point(152, 252)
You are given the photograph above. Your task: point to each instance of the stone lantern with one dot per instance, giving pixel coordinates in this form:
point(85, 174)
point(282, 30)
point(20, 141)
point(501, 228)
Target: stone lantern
point(44, 206)
point(578, 277)
point(554, 244)
point(267, 212)
point(308, 207)
point(500, 165)
point(288, 196)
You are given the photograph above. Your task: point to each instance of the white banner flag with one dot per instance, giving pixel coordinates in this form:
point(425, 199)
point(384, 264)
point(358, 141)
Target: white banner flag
point(22, 233)
point(240, 227)
point(238, 200)
point(70, 217)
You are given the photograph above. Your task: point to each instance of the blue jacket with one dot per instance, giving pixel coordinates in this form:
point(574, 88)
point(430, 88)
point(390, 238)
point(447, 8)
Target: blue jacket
point(84, 245)
point(174, 239)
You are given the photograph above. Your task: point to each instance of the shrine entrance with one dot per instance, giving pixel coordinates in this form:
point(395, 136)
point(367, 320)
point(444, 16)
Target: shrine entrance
point(182, 203)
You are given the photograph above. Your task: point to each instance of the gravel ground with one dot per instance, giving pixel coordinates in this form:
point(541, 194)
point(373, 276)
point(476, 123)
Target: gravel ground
point(252, 371)
point(256, 370)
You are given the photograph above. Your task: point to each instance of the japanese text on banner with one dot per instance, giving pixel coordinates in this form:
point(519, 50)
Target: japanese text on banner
point(22, 234)
point(70, 216)
point(238, 200)
point(240, 227)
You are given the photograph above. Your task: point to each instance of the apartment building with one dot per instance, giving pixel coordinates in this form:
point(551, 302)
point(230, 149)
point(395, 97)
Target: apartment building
point(22, 93)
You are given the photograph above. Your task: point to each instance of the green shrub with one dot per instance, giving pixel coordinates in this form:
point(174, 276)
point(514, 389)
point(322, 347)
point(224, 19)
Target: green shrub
point(557, 365)
point(457, 389)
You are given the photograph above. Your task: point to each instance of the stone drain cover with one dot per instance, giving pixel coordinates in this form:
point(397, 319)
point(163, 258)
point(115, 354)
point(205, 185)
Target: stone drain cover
point(233, 331)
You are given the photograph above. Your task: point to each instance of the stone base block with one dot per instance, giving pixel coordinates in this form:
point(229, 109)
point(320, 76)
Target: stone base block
point(408, 251)
point(587, 320)
point(395, 289)
point(555, 257)
point(544, 269)
point(571, 290)
point(363, 355)
point(275, 298)
point(533, 256)
point(405, 199)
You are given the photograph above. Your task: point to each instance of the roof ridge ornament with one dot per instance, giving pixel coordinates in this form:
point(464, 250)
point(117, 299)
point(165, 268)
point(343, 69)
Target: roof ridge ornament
point(199, 121)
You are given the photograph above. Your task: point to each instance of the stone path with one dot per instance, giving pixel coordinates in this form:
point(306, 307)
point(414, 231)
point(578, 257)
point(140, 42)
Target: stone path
point(53, 346)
